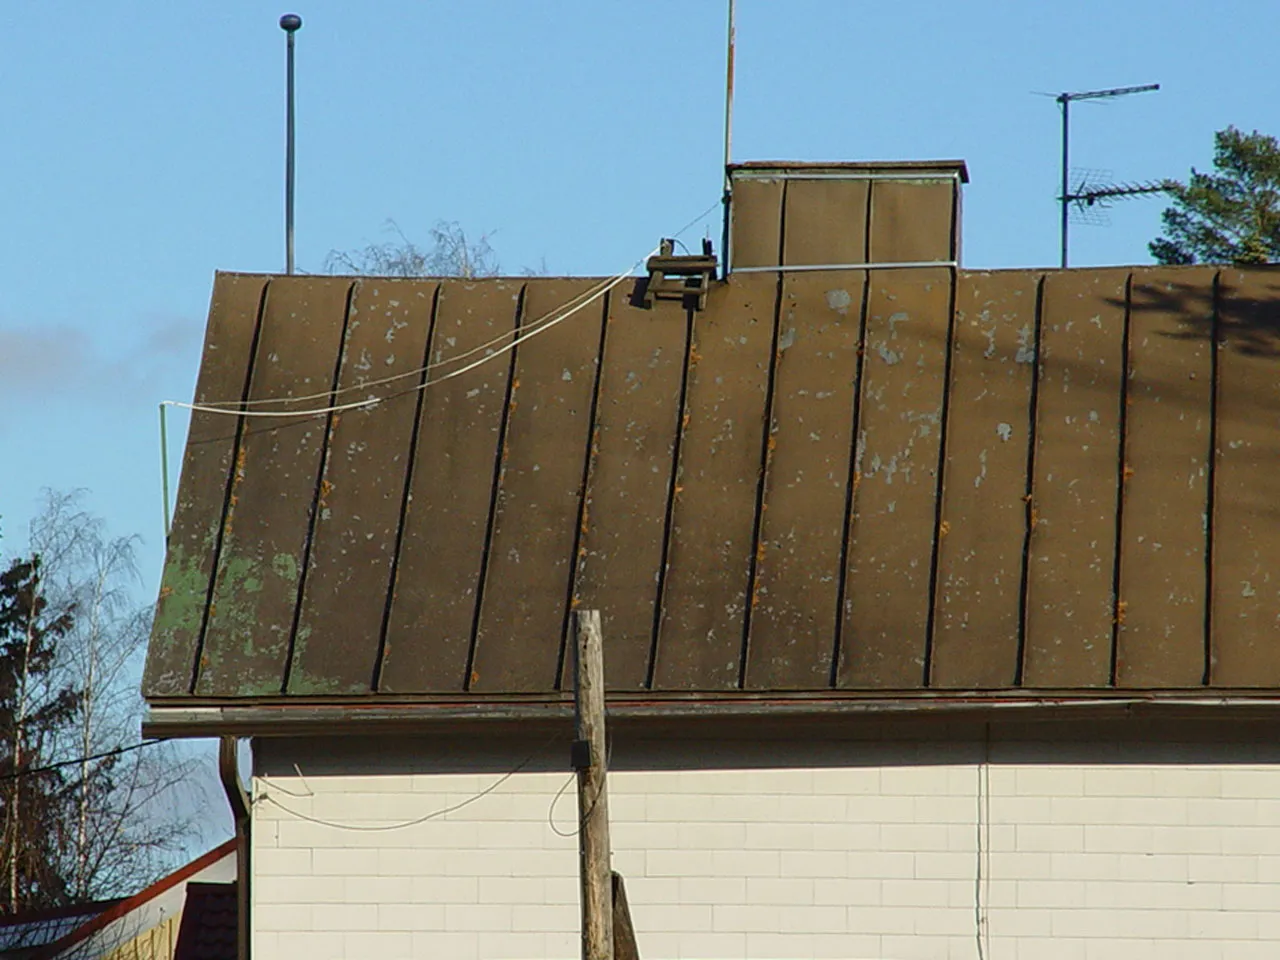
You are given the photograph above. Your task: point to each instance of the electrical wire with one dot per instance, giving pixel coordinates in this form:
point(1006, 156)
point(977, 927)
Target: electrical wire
point(384, 827)
point(18, 774)
point(582, 821)
point(528, 334)
point(982, 873)
point(542, 324)
point(572, 305)
point(551, 810)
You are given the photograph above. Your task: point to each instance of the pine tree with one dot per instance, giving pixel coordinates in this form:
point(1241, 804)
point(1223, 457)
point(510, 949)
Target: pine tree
point(35, 709)
point(1231, 215)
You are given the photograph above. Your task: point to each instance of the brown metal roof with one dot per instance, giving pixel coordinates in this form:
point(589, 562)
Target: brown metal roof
point(853, 483)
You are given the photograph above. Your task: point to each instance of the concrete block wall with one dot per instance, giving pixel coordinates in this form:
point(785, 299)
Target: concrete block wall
point(913, 850)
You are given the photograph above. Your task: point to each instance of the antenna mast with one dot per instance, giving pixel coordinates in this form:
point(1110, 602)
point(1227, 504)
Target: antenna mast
point(728, 141)
point(1066, 99)
point(290, 23)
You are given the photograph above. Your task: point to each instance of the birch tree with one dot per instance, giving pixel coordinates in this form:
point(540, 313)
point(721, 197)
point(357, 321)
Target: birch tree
point(113, 816)
point(451, 254)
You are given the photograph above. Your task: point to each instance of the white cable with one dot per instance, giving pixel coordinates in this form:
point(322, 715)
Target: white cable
point(382, 827)
point(590, 294)
point(373, 401)
point(570, 307)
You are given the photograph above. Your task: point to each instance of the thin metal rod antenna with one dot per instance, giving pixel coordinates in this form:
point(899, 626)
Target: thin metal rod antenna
point(728, 141)
point(1066, 140)
point(290, 23)
point(1064, 99)
point(164, 469)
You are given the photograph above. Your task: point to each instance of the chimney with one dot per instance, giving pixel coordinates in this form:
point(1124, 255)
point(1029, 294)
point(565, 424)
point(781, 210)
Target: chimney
point(844, 215)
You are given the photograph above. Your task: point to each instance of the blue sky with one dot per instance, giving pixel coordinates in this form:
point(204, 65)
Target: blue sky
point(143, 151)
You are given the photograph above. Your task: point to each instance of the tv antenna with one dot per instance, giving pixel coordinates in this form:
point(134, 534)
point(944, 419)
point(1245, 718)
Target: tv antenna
point(1086, 195)
point(1094, 194)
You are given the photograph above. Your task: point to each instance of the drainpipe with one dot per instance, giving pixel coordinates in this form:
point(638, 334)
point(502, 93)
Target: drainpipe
point(238, 798)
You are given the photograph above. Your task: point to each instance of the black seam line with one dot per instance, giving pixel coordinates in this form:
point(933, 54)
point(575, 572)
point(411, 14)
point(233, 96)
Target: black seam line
point(583, 517)
point(375, 682)
point(842, 574)
point(1211, 481)
point(326, 445)
point(850, 488)
point(225, 517)
point(1126, 373)
point(1033, 409)
point(931, 615)
point(766, 455)
point(955, 223)
point(495, 489)
point(677, 447)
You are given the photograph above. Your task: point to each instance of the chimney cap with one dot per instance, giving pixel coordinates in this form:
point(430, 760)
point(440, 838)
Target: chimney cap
point(852, 168)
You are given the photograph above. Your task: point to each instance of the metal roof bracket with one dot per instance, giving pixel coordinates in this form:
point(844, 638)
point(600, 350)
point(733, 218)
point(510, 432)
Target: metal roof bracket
point(684, 278)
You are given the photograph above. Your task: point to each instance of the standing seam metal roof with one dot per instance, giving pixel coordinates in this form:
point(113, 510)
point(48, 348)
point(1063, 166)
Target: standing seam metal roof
point(866, 482)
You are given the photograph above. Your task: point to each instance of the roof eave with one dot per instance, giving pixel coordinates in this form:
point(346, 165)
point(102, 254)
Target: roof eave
point(273, 718)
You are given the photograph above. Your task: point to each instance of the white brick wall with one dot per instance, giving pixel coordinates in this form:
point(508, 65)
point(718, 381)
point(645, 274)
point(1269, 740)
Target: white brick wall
point(1090, 849)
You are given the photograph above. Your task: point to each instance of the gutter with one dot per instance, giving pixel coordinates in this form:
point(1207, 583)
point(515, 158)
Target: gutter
point(241, 810)
point(359, 717)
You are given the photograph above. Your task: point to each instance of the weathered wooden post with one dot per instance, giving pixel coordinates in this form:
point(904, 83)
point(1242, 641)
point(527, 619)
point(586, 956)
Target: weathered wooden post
point(590, 761)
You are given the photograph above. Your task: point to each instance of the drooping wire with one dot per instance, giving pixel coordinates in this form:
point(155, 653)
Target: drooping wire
point(543, 323)
point(571, 306)
point(32, 771)
point(384, 827)
point(582, 820)
point(528, 334)
point(236, 408)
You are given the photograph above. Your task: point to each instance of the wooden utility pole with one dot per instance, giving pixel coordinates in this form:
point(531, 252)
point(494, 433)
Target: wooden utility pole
point(590, 761)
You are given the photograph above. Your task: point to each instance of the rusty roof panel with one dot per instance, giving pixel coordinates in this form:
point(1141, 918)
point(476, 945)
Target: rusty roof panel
point(912, 221)
point(197, 522)
point(632, 469)
point(713, 516)
point(826, 222)
point(538, 508)
point(892, 530)
point(446, 524)
point(362, 491)
point(693, 507)
point(1246, 549)
point(1071, 568)
point(795, 597)
point(1160, 640)
point(756, 223)
point(273, 492)
point(977, 627)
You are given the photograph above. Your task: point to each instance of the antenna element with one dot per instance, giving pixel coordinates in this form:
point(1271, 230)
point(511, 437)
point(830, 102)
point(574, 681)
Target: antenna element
point(1066, 99)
